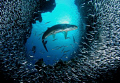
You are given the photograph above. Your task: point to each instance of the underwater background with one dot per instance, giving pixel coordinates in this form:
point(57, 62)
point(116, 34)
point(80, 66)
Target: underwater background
point(65, 12)
point(90, 54)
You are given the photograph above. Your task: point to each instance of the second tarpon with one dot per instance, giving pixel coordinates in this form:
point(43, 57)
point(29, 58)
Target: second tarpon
point(56, 29)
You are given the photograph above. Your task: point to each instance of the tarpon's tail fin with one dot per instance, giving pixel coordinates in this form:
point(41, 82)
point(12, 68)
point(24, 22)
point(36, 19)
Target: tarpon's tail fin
point(44, 44)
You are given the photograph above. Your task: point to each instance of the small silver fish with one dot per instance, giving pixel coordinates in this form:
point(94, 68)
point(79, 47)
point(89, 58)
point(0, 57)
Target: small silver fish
point(34, 49)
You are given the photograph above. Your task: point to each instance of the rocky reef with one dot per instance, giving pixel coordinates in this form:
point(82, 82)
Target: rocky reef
point(97, 61)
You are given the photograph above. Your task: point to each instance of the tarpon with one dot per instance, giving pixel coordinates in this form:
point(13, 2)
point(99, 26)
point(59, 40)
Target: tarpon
point(56, 29)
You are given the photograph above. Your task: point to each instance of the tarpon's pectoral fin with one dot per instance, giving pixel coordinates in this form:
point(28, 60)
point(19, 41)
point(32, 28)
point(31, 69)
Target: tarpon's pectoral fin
point(54, 36)
point(65, 35)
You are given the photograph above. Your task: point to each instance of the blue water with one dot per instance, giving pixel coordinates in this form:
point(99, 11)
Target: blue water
point(65, 12)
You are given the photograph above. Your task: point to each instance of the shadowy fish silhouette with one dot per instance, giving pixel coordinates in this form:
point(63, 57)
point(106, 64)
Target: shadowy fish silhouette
point(56, 29)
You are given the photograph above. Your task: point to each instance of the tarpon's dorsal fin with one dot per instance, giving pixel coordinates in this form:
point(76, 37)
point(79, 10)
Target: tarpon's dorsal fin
point(65, 34)
point(54, 36)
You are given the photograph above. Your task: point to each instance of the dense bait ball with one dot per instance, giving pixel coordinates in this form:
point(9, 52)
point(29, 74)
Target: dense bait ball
point(90, 53)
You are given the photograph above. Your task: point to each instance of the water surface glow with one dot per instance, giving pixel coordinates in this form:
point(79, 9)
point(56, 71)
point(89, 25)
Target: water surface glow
point(65, 12)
